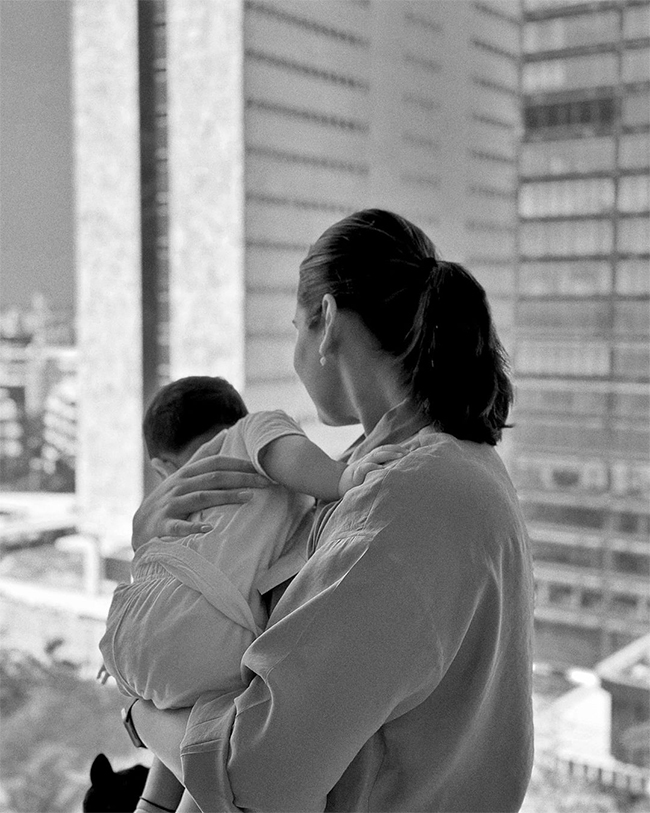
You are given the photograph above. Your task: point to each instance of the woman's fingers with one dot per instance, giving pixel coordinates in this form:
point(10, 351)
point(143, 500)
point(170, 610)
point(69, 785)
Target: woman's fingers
point(219, 481)
point(214, 463)
point(384, 454)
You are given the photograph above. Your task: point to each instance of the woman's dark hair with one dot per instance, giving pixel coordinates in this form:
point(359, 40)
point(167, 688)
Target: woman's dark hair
point(188, 408)
point(432, 315)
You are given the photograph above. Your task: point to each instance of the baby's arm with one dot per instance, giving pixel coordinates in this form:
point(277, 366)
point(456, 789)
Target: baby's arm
point(300, 465)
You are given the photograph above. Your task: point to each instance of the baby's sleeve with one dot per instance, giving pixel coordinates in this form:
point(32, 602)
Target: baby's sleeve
point(258, 429)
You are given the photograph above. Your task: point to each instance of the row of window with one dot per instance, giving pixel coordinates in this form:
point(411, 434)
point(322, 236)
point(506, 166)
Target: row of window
point(575, 435)
point(585, 155)
point(580, 598)
point(624, 522)
point(579, 237)
point(583, 278)
point(622, 478)
point(582, 402)
point(622, 562)
point(584, 196)
point(596, 70)
point(630, 319)
point(591, 114)
point(585, 29)
point(593, 359)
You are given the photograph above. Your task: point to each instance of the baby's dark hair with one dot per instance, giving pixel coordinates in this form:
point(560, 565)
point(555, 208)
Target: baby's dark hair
point(431, 315)
point(187, 408)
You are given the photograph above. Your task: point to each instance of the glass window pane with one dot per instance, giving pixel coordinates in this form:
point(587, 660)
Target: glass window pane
point(589, 196)
point(554, 358)
point(579, 402)
point(632, 277)
point(632, 361)
point(632, 318)
point(573, 72)
point(636, 65)
point(563, 32)
point(631, 479)
point(636, 110)
point(562, 157)
point(570, 237)
point(632, 404)
point(635, 150)
point(563, 317)
point(634, 235)
point(569, 278)
point(636, 22)
point(634, 194)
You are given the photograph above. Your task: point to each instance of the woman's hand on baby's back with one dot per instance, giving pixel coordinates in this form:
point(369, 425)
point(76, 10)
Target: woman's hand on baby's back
point(206, 481)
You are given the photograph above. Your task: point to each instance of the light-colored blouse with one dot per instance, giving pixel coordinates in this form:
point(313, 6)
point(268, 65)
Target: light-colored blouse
point(395, 673)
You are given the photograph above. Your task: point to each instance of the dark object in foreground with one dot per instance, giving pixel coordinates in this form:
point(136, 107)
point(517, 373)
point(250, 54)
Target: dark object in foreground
point(113, 791)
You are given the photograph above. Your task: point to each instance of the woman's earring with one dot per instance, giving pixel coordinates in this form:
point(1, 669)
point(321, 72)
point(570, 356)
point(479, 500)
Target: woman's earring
point(323, 361)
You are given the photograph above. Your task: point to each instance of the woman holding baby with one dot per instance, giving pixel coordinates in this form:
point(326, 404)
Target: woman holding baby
point(395, 671)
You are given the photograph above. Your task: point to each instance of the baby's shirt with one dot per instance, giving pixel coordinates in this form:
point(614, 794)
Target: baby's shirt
point(247, 539)
point(194, 606)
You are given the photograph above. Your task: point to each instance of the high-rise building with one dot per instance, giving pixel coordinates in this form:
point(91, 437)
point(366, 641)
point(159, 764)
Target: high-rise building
point(250, 127)
point(581, 443)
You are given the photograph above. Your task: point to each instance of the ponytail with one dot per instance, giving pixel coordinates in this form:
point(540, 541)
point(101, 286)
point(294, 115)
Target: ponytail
point(433, 316)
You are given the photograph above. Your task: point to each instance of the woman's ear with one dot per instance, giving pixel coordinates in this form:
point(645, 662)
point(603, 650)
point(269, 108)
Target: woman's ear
point(329, 311)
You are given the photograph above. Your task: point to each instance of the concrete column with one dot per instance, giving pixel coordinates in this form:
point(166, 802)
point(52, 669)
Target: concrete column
point(105, 101)
point(206, 144)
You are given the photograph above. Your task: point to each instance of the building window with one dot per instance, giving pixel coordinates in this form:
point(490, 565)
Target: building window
point(570, 515)
point(579, 402)
point(552, 317)
point(577, 278)
point(636, 110)
point(565, 32)
point(636, 21)
point(632, 277)
point(630, 522)
point(555, 358)
point(589, 196)
point(566, 156)
point(591, 599)
point(631, 479)
point(632, 404)
point(636, 65)
point(632, 319)
point(635, 151)
point(623, 604)
point(632, 563)
point(561, 594)
point(632, 361)
point(570, 73)
point(634, 194)
point(566, 238)
point(562, 436)
point(634, 235)
point(590, 113)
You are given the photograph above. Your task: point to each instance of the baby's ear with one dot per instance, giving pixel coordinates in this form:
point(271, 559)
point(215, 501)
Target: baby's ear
point(101, 772)
point(163, 467)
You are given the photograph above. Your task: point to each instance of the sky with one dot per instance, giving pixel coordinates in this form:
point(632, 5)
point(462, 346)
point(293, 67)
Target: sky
point(36, 183)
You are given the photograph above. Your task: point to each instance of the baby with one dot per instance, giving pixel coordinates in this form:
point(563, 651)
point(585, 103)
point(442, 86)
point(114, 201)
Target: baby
point(195, 604)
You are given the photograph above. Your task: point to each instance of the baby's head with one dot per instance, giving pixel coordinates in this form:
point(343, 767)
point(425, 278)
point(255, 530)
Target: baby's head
point(185, 414)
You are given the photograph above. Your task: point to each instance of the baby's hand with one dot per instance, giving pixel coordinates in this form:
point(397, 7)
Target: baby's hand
point(357, 472)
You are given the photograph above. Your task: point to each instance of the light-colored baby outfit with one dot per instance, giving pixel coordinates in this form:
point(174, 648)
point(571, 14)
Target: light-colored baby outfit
point(194, 605)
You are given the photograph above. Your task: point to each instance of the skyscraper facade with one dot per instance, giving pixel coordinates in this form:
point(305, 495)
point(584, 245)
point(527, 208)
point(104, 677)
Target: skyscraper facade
point(271, 120)
point(581, 437)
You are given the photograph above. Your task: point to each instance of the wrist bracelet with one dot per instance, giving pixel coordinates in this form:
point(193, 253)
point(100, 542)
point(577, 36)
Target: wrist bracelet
point(160, 807)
